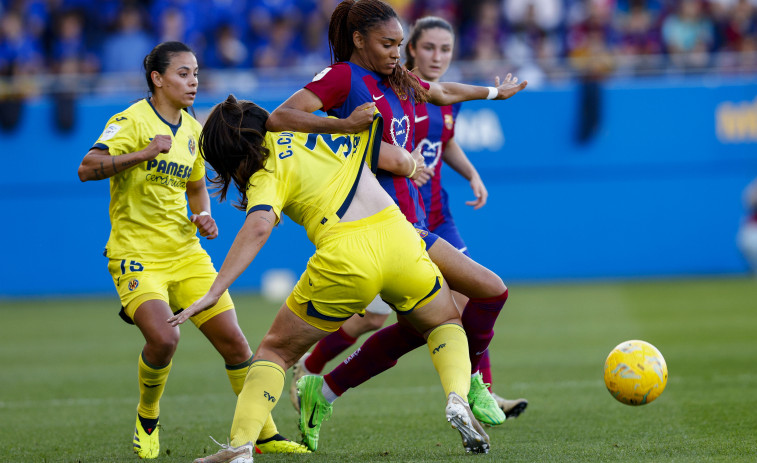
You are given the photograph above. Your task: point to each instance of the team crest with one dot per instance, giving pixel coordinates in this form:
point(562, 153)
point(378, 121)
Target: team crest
point(449, 122)
point(422, 233)
point(133, 284)
point(399, 130)
point(192, 146)
point(402, 96)
point(431, 152)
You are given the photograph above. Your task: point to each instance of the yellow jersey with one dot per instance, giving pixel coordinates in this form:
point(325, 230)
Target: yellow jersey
point(312, 177)
point(148, 204)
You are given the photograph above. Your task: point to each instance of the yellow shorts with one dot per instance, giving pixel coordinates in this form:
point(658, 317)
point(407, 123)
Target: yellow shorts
point(381, 254)
point(179, 283)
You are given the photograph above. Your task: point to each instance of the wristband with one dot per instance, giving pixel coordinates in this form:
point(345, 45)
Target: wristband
point(415, 167)
point(204, 213)
point(493, 92)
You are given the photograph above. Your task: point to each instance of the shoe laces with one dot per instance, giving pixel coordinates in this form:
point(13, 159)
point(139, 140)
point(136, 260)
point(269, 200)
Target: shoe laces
point(227, 445)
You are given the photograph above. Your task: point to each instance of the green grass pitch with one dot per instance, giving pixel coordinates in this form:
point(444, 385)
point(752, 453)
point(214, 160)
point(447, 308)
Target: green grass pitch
point(68, 391)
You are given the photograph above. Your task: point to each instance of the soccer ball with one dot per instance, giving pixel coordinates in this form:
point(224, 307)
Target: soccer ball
point(635, 372)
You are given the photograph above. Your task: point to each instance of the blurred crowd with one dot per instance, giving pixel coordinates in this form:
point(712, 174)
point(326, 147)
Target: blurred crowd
point(593, 37)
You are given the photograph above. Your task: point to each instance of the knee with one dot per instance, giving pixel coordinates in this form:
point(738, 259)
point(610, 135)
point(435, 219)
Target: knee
point(373, 322)
point(234, 348)
point(164, 345)
point(495, 285)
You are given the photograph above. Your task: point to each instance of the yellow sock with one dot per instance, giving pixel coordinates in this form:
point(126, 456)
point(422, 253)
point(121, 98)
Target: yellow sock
point(237, 374)
point(262, 389)
point(448, 346)
point(152, 383)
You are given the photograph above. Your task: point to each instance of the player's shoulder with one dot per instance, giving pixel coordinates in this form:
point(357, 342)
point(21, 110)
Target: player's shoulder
point(337, 71)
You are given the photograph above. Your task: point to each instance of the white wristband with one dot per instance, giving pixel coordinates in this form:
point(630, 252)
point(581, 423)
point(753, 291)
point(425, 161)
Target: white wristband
point(493, 92)
point(204, 213)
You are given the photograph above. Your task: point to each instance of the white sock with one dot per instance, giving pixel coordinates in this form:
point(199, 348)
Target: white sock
point(328, 393)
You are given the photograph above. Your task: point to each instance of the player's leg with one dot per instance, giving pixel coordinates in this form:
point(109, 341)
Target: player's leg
point(335, 343)
point(154, 365)
point(288, 338)
point(487, 295)
point(220, 326)
point(441, 326)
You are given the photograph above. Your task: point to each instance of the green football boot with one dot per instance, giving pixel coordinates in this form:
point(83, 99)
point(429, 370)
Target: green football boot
point(314, 409)
point(483, 405)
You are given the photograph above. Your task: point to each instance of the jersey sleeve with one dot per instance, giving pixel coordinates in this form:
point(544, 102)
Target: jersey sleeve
point(266, 192)
point(332, 85)
point(121, 135)
point(423, 83)
point(455, 111)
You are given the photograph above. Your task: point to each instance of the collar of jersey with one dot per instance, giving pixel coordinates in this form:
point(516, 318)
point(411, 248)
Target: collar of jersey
point(174, 128)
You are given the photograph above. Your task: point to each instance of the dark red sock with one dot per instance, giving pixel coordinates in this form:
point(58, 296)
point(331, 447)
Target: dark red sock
point(327, 349)
point(485, 367)
point(478, 321)
point(379, 353)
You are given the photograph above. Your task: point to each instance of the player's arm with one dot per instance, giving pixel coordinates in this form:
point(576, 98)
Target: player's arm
point(455, 157)
point(249, 241)
point(398, 161)
point(296, 114)
point(199, 204)
point(98, 164)
point(447, 93)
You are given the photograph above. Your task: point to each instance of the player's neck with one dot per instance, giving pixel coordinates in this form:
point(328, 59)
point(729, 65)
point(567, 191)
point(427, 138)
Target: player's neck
point(167, 111)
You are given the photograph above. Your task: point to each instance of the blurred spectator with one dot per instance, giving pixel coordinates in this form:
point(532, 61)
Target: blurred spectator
point(445, 9)
point(126, 48)
point(591, 55)
point(688, 35)
point(535, 38)
point(227, 51)
point(20, 53)
point(747, 237)
point(279, 50)
point(70, 51)
point(482, 39)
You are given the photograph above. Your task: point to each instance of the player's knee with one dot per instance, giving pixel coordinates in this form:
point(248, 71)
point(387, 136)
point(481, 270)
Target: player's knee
point(373, 322)
point(165, 344)
point(494, 285)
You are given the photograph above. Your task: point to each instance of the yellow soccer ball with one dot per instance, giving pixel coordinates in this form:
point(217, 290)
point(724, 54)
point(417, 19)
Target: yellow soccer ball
point(635, 372)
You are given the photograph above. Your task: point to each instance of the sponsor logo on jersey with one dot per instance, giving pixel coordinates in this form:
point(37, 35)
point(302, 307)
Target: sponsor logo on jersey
point(192, 146)
point(449, 122)
point(399, 130)
point(168, 173)
point(110, 131)
point(420, 119)
point(376, 98)
point(133, 284)
point(431, 152)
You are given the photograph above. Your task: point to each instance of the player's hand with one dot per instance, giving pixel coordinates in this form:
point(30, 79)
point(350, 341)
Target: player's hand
point(480, 191)
point(205, 302)
point(360, 119)
point(206, 225)
point(508, 87)
point(159, 144)
point(423, 175)
point(420, 162)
